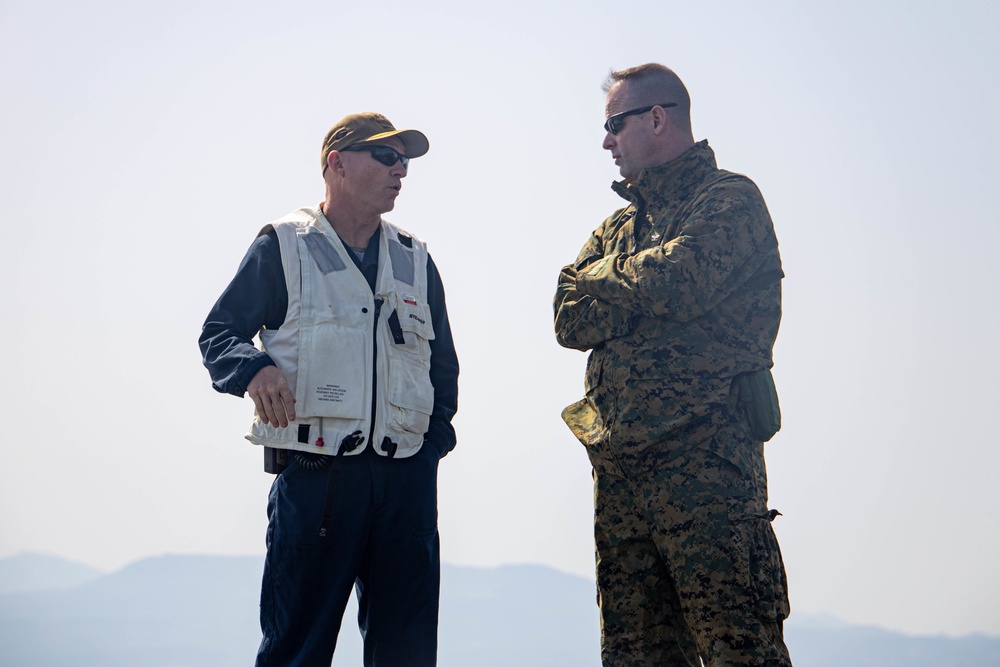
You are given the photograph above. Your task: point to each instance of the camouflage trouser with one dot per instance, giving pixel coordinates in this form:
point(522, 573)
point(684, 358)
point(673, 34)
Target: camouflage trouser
point(687, 563)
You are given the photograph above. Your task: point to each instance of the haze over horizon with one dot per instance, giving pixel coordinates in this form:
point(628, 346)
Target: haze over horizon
point(202, 610)
point(145, 145)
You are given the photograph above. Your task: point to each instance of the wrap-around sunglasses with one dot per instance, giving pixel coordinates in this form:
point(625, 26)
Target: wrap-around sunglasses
point(614, 123)
point(384, 154)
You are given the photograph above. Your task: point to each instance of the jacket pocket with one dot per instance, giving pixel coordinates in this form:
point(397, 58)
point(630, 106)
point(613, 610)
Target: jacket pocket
point(757, 403)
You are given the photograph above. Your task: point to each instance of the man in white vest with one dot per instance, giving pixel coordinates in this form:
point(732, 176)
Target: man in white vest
point(354, 386)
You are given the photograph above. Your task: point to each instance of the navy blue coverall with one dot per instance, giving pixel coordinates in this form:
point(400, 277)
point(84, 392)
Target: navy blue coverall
point(335, 523)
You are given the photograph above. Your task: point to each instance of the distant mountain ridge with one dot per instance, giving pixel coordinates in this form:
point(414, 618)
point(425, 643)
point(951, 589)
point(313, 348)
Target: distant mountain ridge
point(29, 571)
point(194, 611)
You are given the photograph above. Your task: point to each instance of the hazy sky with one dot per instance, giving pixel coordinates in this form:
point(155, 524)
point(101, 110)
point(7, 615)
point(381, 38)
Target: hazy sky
point(144, 145)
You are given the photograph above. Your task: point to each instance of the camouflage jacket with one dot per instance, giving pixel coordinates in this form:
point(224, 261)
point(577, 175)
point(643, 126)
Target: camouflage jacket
point(674, 295)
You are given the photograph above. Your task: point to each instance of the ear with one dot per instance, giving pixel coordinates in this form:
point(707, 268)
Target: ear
point(662, 122)
point(334, 162)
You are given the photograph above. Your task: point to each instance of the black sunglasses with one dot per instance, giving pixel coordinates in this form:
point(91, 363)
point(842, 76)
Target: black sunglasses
point(384, 154)
point(614, 123)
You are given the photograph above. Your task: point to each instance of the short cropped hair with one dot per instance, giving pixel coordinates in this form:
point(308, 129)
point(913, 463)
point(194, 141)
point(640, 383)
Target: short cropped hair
point(653, 83)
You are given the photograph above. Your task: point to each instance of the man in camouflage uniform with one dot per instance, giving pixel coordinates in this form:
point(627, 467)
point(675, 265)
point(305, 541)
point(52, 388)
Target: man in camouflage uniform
point(678, 298)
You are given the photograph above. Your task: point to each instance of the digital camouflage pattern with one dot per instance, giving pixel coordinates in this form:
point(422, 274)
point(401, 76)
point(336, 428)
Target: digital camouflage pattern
point(687, 561)
point(675, 295)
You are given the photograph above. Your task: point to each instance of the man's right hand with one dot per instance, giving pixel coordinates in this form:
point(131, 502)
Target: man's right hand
point(272, 397)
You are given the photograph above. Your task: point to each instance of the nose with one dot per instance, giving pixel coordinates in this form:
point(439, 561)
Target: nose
point(398, 170)
point(609, 141)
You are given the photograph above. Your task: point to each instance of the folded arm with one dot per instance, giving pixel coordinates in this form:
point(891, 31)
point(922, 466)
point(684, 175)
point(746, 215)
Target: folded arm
point(724, 240)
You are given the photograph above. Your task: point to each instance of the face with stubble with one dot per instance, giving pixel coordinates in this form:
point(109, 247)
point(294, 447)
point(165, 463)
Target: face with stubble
point(373, 184)
point(632, 143)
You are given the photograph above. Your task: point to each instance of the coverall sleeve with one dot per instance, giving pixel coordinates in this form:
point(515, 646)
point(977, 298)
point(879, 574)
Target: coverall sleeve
point(257, 297)
point(583, 321)
point(724, 240)
point(444, 366)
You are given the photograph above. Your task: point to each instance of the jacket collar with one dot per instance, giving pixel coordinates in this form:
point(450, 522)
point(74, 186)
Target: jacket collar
point(671, 181)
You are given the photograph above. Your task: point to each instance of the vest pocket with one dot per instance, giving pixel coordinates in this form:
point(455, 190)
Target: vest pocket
point(332, 371)
point(414, 315)
point(411, 396)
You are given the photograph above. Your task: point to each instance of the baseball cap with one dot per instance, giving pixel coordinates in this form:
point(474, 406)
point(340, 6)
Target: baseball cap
point(369, 127)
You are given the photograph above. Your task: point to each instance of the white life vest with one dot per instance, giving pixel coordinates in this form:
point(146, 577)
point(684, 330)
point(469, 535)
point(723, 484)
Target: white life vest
point(339, 341)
